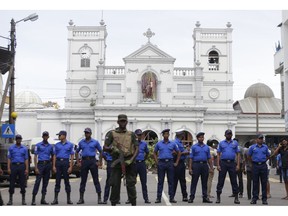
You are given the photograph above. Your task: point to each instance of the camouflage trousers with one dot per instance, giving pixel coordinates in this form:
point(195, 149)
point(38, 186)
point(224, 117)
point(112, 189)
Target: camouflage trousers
point(115, 183)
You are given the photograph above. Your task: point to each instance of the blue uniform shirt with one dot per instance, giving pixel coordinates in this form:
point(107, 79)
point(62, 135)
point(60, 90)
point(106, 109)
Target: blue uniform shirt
point(17, 154)
point(44, 151)
point(259, 153)
point(89, 148)
point(165, 149)
point(143, 148)
point(181, 148)
point(228, 149)
point(200, 152)
point(63, 150)
point(107, 156)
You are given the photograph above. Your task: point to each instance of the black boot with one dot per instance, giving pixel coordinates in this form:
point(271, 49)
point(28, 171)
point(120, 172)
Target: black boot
point(218, 198)
point(1, 200)
point(99, 199)
point(23, 199)
point(81, 200)
point(33, 200)
point(236, 200)
point(55, 201)
point(43, 201)
point(10, 202)
point(69, 198)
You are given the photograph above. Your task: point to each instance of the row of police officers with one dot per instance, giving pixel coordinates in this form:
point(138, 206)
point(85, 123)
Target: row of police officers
point(125, 153)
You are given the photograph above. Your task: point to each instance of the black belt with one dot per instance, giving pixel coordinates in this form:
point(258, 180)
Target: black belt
point(229, 161)
point(62, 159)
point(139, 161)
point(88, 158)
point(166, 160)
point(202, 162)
point(44, 162)
point(259, 163)
point(17, 163)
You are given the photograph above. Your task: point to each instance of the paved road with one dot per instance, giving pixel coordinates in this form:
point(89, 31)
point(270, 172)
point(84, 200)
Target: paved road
point(277, 191)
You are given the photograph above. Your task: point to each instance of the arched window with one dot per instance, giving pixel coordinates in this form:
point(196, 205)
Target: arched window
point(213, 60)
point(150, 137)
point(188, 139)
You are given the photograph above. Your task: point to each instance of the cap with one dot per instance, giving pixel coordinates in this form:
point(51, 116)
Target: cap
point(179, 131)
point(122, 117)
point(45, 133)
point(200, 134)
point(18, 136)
point(228, 131)
point(260, 136)
point(62, 132)
point(165, 130)
point(138, 132)
point(88, 130)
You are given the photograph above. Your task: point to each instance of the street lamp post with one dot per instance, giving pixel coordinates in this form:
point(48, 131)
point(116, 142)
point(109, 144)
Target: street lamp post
point(11, 76)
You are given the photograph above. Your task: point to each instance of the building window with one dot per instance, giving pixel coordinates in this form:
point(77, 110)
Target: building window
point(184, 88)
point(213, 61)
point(113, 87)
point(85, 62)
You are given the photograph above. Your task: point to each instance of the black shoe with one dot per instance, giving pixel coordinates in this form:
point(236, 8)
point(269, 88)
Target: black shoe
point(172, 201)
point(118, 203)
point(158, 201)
point(264, 202)
point(128, 202)
point(185, 199)
point(190, 201)
point(206, 200)
point(253, 202)
point(104, 202)
point(147, 201)
point(232, 195)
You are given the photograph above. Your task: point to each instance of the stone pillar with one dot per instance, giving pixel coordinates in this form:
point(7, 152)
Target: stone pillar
point(98, 134)
point(99, 82)
point(198, 84)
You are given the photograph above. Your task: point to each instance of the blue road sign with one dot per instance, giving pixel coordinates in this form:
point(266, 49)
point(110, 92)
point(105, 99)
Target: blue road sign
point(8, 131)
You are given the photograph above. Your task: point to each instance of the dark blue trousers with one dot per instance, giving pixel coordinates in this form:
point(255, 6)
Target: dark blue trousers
point(85, 167)
point(229, 167)
point(107, 184)
point(62, 170)
point(142, 171)
point(165, 167)
point(180, 175)
point(259, 171)
point(44, 173)
point(199, 169)
point(17, 170)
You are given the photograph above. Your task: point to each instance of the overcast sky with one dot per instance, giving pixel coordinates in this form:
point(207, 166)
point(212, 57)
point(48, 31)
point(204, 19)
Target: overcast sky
point(41, 52)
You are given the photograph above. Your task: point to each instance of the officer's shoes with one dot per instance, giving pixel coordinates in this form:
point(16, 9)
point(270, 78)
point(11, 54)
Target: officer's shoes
point(185, 199)
point(33, 203)
point(264, 202)
point(190, 201)
point(104, 202)
point(206, 200)
point(253, 202)
point(158, 201)
point(55, 202)
point(81, 201)
point(147, 201)
point(128, 202)
point(43, 202)
point(172, 201)
point(232, 195)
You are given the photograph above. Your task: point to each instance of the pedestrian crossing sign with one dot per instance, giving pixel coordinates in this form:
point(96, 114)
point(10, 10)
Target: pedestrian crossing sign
point(8, 131)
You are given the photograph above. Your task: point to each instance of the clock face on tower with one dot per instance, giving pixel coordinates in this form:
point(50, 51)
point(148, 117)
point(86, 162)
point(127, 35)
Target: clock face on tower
point(85, 52)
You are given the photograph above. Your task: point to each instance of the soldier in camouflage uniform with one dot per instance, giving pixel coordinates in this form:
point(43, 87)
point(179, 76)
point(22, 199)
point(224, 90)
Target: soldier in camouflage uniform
point(122, 145)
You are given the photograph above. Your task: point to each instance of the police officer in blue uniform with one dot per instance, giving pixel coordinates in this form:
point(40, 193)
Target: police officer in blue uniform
point(43, 165)
point(63, 151)
point(227, 152)
point(198, 166)
point(259, 154)
point(89, 147)
point(17, 165)
point(108, 158)
point(180, 170)
point(141, 165)
point(165, 164)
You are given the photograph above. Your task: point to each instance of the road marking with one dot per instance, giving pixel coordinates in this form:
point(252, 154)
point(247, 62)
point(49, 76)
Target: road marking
point(166, 199)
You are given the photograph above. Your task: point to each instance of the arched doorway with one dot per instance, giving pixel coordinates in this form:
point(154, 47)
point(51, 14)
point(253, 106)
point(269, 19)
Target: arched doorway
point(150, 137)
point(188, 138)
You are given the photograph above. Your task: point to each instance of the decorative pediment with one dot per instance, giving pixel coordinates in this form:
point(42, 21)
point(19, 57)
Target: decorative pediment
point(149, 52)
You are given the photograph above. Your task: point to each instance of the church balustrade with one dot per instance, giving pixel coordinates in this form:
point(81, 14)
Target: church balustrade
point(213, 35)
point(213, 67)
point(114, 70)
point(183, 72)
point(85, 33)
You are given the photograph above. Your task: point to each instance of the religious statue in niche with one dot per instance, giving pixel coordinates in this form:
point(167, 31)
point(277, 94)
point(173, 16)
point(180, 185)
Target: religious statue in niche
point(149, 86)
